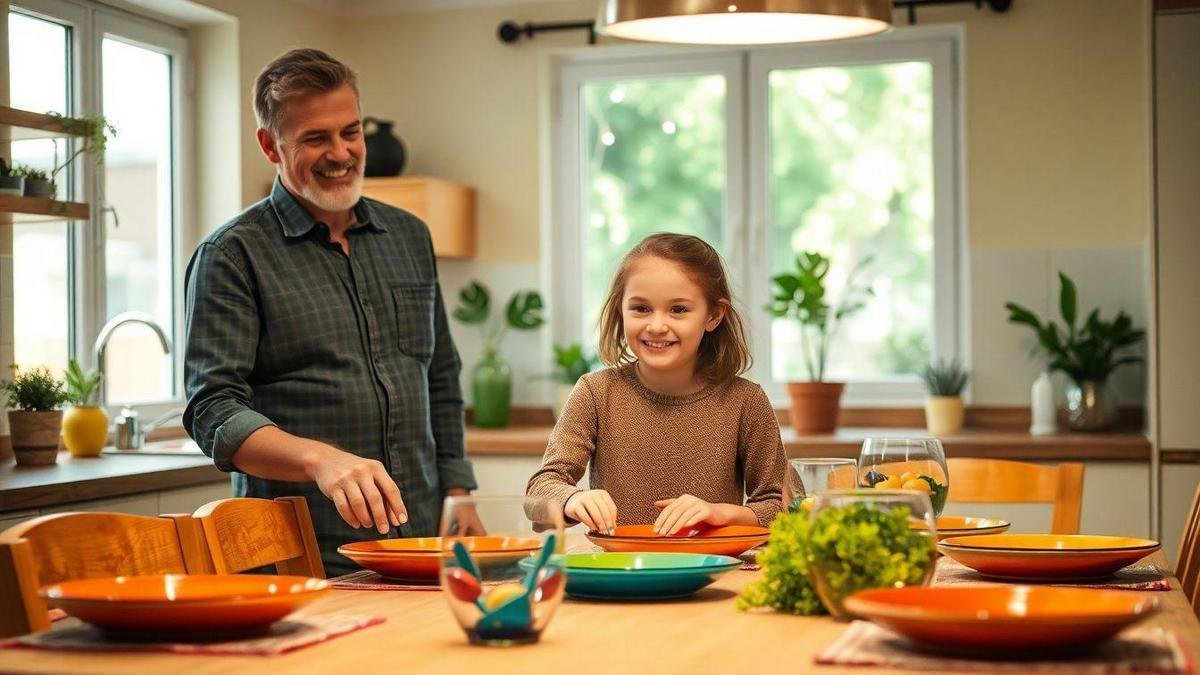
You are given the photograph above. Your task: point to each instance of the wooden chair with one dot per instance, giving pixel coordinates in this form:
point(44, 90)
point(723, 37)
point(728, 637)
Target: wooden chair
point(1004, 481)
point(1187, 565)
point(63, 546)
point(243, 533)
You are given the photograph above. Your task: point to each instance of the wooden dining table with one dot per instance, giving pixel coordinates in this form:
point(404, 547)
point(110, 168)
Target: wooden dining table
point(701, 634)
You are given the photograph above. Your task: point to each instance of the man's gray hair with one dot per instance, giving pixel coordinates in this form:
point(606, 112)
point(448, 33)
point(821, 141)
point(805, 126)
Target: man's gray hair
point(297, 73)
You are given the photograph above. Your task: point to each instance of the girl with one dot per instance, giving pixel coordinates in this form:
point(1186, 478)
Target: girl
point(673, 435)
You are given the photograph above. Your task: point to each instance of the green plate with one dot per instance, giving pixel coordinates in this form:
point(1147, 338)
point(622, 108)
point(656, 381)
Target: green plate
point(642, 576)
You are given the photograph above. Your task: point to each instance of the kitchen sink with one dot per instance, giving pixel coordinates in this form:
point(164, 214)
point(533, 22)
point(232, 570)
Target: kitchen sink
point(175, 446)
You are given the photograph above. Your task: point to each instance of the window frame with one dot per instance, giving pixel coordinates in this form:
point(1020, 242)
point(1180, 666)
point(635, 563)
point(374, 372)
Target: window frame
point(747, 179)
point(90, 24)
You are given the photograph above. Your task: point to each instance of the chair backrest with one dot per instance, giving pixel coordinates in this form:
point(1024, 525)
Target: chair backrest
point(244, 533)
point(1187, 566)
point(64, 546)
point(1004, 481)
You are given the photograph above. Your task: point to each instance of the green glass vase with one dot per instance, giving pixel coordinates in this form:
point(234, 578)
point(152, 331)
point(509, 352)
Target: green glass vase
point(492, 385)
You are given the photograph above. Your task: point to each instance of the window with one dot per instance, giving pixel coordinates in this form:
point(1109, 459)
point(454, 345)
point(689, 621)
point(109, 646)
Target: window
point(72, 277)
point(846, 149)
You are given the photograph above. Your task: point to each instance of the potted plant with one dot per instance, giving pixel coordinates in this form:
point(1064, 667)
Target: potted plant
point(944, 405)
point(491, 379)
point(1088, 354)
point(84, 424)
point(95, 130)
point(37, 184)
point(571, 363)
point(37, 423)
point(11, 182)
point(800, 295)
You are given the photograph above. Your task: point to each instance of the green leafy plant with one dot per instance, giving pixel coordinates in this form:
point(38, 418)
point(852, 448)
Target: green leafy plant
point(81, 386)
point(1085, 353)
point(523, 312)
point(944, 378)
point(96, 131)
point(29, 172)
point(572, 363)
point(854, 547)
point(34, 391)
point(800, 295)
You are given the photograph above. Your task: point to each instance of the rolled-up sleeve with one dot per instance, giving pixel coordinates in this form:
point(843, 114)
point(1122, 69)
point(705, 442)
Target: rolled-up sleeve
point(446, 405)
point(222, 327)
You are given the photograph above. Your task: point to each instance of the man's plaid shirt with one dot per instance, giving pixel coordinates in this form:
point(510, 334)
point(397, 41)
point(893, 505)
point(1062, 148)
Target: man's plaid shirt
point(285, 329)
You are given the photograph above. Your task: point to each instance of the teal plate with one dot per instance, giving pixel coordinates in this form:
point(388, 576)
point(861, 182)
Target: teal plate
point(642, 576)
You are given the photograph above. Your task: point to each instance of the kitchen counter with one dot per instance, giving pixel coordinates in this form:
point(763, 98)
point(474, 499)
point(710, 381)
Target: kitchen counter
point(79, 479)
point(846, 442)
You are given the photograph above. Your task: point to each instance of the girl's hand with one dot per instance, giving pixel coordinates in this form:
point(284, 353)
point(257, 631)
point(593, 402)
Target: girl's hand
point(685, 511)
point(594, 508)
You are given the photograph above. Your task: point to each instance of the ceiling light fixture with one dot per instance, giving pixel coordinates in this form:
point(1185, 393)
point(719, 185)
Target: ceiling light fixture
point(742, 22)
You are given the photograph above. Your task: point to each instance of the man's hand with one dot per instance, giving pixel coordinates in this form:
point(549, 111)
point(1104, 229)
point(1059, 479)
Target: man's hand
point(594, 508)
point(360, 488)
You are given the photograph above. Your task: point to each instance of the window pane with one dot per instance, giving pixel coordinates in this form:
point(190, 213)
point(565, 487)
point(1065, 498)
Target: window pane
point(139, 262)
point(852, 176)
point(654, 162)
point(39, 78)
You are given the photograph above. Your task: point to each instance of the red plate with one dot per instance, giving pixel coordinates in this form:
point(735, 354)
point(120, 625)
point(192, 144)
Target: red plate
point(1002, 620)
point(209, 605)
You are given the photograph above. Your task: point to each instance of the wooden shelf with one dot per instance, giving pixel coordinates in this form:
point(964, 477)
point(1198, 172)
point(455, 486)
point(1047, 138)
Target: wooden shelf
point(21, 125)
point(448, 208)
point(42, 209)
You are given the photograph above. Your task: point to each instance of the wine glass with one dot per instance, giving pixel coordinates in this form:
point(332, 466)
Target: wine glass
point(867, 538)
point(498, 567)
point(810, 476)
point(906, 463)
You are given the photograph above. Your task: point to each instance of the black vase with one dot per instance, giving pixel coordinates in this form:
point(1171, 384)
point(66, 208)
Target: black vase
point(385, 152)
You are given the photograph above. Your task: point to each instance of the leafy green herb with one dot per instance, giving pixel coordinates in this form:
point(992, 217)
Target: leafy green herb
point(849, 548)
point(34, 391)
point(937, 493)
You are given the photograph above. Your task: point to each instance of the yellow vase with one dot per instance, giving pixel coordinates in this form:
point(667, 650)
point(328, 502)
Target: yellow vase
point(944, 415)
point(85, 430)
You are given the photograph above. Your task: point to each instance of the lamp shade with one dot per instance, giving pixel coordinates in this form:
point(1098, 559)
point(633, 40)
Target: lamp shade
point(742, 22)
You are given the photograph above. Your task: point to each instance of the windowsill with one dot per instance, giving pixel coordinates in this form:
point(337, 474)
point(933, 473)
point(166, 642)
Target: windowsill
point(845, 442)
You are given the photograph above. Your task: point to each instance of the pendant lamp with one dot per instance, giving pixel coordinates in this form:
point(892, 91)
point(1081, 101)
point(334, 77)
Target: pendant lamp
point(742, 22)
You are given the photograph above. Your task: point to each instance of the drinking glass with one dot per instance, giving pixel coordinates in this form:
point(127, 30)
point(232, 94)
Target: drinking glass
point(498, 570)
point(810, 476)
point(867, 538)
point(906, 463)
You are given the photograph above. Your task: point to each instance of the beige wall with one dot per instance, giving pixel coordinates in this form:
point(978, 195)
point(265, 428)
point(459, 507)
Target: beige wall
point(1056, 97)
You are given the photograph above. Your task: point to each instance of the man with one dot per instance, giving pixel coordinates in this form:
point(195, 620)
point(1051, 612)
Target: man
point(319, 360)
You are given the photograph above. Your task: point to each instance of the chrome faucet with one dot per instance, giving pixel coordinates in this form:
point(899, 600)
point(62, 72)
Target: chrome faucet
point(131, 435)
point(106, 333)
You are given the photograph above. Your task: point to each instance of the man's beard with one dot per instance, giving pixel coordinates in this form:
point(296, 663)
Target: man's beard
point(337, 199)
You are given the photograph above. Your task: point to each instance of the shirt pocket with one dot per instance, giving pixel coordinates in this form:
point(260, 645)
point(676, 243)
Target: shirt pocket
point(414, 319)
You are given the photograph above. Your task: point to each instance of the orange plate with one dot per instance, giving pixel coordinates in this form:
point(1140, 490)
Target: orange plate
point(1001, 619)
point(417, 559)
point(958, 526)
point(172, 604)
point(727, 540)
point(1046, 556)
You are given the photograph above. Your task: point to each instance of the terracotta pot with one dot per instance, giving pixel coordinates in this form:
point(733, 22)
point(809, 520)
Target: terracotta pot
point(35, 436)
point(943, 415)
point(815, 405)
point(84, 430)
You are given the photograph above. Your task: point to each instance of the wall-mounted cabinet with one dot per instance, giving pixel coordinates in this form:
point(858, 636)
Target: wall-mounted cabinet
point(448, 208)
point(18, 125)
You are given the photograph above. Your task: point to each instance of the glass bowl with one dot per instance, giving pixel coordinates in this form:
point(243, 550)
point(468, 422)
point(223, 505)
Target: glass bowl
point(906, 464)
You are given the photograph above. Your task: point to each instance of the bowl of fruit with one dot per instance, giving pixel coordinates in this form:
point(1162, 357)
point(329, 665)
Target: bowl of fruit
point(906, 464)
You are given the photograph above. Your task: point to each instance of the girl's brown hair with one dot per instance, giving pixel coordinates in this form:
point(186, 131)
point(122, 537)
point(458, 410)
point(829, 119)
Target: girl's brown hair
point(724, 351)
